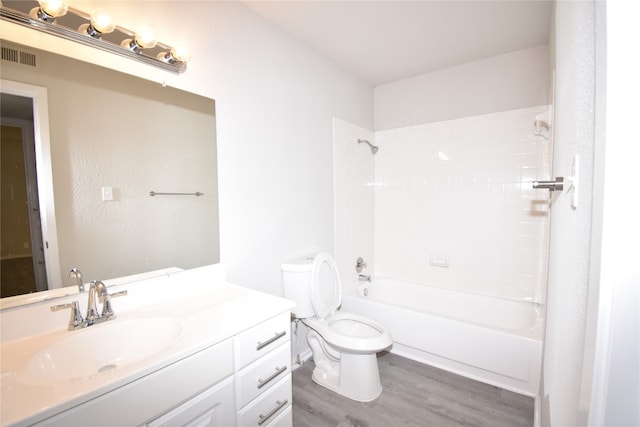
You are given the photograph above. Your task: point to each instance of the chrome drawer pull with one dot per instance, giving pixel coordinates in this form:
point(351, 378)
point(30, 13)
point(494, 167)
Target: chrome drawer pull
point(261, 345)
point(279, 405)
point(262, 383)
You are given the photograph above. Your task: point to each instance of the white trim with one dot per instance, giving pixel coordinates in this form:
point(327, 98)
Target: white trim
point(45, 173)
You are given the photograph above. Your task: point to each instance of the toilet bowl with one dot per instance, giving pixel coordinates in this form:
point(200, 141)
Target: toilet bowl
point(344, 345)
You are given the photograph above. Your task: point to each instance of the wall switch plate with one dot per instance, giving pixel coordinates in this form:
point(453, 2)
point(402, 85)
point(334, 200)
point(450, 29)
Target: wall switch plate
point(107, 194)
point(439, 259)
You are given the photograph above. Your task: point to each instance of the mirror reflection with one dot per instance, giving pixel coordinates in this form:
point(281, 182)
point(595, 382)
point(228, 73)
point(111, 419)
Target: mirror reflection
point(113, 139)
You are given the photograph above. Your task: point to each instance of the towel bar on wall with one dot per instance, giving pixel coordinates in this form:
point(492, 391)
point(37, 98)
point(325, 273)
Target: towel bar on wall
point(155, 193)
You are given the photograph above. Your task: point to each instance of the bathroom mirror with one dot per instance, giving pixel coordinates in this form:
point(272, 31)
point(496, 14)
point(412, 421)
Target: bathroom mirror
point(114, 138)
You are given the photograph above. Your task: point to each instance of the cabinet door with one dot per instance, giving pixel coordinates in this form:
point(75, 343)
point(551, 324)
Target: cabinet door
point(211, 408)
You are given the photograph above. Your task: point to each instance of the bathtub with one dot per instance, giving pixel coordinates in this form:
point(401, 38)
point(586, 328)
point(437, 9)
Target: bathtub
point(494, 340)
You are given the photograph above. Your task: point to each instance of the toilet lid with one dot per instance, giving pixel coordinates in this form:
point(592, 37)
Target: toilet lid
point(326, 291)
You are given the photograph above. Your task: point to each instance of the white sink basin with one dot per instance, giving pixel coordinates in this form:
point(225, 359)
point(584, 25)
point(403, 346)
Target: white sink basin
point(100, 349)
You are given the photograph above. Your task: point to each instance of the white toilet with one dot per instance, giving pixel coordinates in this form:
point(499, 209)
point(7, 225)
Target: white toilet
point(344, 345)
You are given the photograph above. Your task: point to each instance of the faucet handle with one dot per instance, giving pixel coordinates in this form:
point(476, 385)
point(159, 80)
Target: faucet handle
point(360, 265)
point(76, 321)
point(107, 310)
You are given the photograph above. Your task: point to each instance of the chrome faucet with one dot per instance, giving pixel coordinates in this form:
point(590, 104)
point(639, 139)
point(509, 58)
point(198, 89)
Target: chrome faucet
point(97, 291)
point(96, 287)
point(364, 278)
point(75, 273)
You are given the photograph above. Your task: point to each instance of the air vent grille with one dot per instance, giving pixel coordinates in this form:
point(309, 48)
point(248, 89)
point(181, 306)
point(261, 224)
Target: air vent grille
point(18, 56)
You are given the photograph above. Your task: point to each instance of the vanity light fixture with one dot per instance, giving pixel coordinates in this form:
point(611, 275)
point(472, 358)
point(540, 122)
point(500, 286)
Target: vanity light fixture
point(96, 30)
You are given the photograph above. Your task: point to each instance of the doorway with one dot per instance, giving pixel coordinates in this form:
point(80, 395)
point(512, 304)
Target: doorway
point(22, 254)
point(30, 259)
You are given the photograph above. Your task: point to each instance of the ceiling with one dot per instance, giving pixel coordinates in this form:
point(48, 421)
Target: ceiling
point(390, 40)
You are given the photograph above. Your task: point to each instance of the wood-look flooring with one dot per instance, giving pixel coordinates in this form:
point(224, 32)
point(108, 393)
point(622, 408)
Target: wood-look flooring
point(413, 394)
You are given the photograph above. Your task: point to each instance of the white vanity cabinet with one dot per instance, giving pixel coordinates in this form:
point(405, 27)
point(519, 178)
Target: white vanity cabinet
point(221, 369)
point(243, 381)
point(263, 374)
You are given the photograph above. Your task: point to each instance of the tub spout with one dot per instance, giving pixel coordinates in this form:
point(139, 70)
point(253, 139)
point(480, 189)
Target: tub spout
point(364, 278)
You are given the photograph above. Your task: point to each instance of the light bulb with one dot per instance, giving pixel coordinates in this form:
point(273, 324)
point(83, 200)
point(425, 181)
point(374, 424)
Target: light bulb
point(53, 8)
point(102, 23)
point(181, 53)
point(139, 42)
point(48, 10)
point(146, 40)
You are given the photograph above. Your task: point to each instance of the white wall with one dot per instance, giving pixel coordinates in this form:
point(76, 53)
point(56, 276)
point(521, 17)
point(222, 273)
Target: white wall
point(275, 102)
point(571, 229)
point(460, 190)
point(619, 313)
point(514, 80)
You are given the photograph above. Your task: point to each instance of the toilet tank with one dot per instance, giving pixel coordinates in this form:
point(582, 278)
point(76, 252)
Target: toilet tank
point(296, 276)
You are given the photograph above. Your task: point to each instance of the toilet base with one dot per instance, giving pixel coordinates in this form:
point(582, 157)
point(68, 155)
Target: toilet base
point(355, 376)
point(358, 377)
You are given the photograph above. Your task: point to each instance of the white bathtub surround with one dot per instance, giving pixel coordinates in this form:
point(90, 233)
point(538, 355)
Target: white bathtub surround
point(354, 186)
point(454, 205)
point(489, 339)
point(462, 233)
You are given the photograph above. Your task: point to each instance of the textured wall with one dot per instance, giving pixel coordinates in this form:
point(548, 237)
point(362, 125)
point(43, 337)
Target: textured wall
point(570, 241)
point(114, 130)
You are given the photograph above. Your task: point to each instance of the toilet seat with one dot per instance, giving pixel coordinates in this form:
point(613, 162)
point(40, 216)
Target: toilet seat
point(351, 332)
point(326, 290)
point(344, 331)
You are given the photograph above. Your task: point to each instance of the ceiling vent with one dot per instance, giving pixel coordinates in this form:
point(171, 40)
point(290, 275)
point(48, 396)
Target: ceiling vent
point(18, 56)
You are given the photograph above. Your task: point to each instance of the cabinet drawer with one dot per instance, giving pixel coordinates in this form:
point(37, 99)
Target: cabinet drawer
point(259, 340)
point(285, 419)
point(267, 407)
point(263, 374)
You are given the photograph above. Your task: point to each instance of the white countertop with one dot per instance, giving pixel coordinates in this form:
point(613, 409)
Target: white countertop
point(209, 309)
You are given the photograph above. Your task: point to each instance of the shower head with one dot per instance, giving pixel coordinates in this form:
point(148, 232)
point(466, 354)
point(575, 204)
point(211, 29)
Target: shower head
point(374, 149)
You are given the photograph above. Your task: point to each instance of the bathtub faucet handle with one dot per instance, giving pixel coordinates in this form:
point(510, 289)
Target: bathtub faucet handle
point(360, 265)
